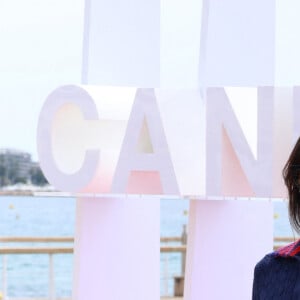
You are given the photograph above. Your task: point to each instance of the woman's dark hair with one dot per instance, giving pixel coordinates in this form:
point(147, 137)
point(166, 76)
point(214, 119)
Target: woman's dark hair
point(291, 176)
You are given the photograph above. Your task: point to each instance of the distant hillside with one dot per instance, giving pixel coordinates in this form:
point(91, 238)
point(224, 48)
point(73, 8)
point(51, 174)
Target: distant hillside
point(17, 167)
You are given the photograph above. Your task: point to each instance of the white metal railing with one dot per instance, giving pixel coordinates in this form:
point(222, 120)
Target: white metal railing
point(168, 276)
point(167, 248)
point(176, 279)
point(50, 251)
point(4, 282)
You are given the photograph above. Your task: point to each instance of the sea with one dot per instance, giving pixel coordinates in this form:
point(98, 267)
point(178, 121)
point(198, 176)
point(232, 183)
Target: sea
point(27, 275)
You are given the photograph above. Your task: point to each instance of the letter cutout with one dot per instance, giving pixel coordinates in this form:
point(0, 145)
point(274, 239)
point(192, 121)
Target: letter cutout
point(283, 136)
point(258, 172)
point(59, 97)
point(185, 128)
point(144, 144)
point(148, 173)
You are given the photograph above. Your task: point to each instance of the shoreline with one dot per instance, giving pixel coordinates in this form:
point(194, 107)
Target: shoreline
point(16, 193)
point(26, 190)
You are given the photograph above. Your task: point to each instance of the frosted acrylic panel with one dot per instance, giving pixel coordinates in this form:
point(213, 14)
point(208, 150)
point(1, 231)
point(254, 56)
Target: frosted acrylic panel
point(287, 43)
point(238, 43)
point(226, 239)
point(180, 43)
point(122, 43)
point(117, 249)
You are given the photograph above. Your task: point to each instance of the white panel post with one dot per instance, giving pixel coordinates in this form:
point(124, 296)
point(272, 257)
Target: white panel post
point(4, 274)
point(51, 278)
point(226, 239)
point(117, 248)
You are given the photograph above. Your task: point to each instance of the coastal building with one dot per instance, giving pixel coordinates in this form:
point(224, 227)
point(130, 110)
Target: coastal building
point(15, 166)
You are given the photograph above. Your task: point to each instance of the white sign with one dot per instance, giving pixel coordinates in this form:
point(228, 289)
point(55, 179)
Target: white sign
point(167, 141)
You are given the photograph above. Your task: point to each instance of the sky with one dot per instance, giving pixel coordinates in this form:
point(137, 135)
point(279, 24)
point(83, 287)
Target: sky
point(40, 50)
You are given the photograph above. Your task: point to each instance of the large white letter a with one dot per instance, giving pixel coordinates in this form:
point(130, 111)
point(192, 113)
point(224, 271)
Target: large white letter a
point(144, 165)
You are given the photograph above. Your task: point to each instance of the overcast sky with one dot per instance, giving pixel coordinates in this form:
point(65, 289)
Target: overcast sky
point(41, 49)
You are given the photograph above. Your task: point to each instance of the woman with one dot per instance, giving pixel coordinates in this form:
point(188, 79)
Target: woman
point(277, 275)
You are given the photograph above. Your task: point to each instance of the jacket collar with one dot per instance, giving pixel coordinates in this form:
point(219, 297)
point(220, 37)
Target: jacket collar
point(290, 250)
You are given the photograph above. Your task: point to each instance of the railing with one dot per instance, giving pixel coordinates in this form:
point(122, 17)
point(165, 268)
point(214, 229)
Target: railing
point(33, 250)
point(176, 279)
point(282, 241)
point(50, 251)
point(179, 279)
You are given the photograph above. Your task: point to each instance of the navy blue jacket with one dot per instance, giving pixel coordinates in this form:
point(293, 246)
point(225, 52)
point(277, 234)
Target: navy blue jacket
point(277, 275)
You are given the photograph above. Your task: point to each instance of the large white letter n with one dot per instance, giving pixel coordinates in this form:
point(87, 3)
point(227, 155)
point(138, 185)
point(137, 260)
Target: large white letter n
point(232, 168)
